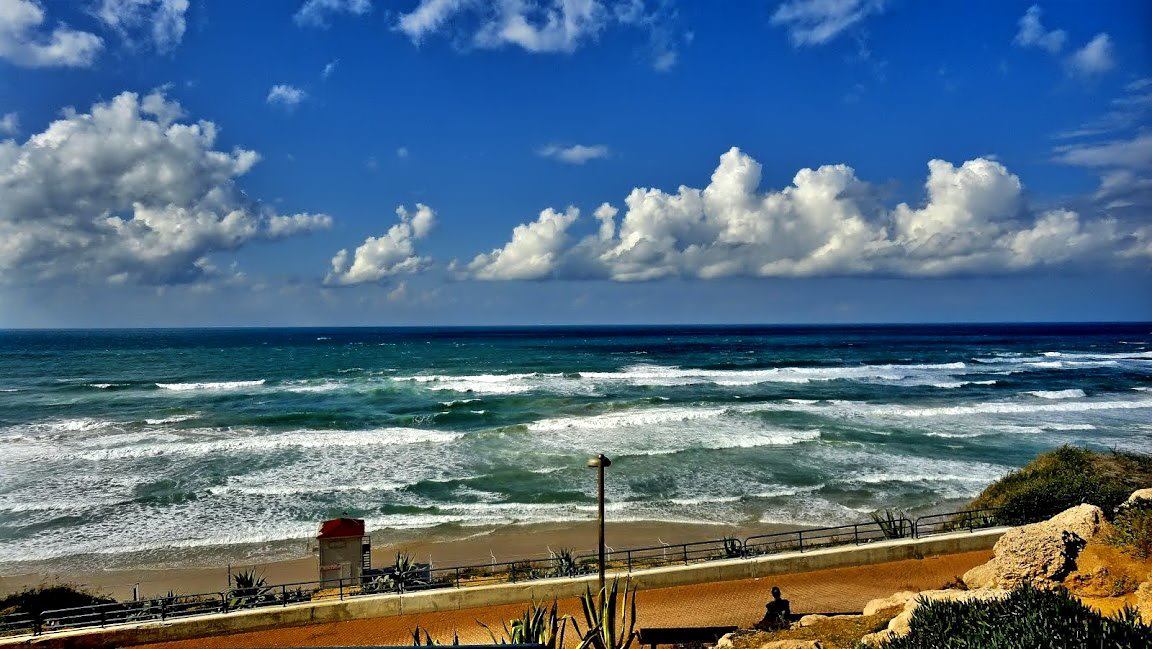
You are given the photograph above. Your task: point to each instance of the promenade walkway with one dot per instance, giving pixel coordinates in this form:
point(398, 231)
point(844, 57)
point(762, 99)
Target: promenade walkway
point(719, 603)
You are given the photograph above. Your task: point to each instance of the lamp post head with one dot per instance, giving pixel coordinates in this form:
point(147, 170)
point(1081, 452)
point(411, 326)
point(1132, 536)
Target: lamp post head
point(599, 461)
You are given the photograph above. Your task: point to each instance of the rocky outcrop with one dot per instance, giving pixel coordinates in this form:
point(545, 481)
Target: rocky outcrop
point(1040, 554)
point(1139, 498)
point(899, 625)
point(896, 599)
point(1082, 520)
point(1143, 601)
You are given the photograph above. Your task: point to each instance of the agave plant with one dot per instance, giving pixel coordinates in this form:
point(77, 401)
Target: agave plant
point(405, 574)
point(248, 588)
point(891, 523)
point(564, 563)
point(538, 625)
point(428, 641)
point(611, 618)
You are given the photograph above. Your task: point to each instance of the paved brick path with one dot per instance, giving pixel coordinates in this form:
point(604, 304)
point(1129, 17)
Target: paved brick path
point(722, 603)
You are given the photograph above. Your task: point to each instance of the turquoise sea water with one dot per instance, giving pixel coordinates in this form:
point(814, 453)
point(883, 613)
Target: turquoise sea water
point(122, 441)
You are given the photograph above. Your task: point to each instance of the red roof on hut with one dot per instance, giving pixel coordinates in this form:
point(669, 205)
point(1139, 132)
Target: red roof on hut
point(341, 527)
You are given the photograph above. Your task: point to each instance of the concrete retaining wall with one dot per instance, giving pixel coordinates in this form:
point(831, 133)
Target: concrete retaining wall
point(539, 590)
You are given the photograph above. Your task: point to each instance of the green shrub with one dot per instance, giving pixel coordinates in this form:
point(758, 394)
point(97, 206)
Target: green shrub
point(1026, 619)
point(1132, 530)
point(1063, 478)
point(35, 601)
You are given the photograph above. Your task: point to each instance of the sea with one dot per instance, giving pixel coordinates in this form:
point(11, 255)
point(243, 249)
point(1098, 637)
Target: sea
point(114, 442)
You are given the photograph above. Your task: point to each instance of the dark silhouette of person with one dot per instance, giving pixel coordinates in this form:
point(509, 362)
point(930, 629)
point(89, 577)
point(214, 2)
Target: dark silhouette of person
point(776, 613)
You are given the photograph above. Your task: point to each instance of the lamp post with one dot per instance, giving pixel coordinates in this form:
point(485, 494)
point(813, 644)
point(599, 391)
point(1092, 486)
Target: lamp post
point(600, 462)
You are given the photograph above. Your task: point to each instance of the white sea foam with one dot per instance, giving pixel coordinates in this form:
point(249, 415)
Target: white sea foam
point(206, 441)
point(1074, 393)
point(174, 419)
point(1009, 407)
point(664, 430)
point(662, 375)
point(211, 385)
point(324, 385)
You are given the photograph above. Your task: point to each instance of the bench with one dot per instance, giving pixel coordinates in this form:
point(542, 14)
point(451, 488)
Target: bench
point(682, 635)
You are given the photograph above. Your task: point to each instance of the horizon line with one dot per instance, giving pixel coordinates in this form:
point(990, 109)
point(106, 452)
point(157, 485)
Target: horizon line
point(654, 325)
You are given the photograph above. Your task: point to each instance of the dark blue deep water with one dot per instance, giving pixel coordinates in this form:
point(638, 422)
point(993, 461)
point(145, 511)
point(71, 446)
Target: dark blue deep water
point(120, 441)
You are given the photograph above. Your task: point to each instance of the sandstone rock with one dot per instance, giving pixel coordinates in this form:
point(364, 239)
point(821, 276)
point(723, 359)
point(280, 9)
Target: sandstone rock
point(808, 620)
point(896, 599)
point(816, 618)
point(1139, 494)
point(877, 639)
point(1082, 520)
point(1143, 601)
point(725, 641)
point(982, 576)
point(1040, 554)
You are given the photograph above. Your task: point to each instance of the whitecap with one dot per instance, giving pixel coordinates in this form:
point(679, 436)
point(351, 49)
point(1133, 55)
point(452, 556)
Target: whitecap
point(174, 419)
point(1074, 393)
point(210, 385)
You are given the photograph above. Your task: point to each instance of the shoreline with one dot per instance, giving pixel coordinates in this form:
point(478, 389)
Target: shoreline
point(296, 560)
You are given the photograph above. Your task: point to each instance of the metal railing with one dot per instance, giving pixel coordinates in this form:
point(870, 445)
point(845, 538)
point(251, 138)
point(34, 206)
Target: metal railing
point(558, 566)
point(970, 519)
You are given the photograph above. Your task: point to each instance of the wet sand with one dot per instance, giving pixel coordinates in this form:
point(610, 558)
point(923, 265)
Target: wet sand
point(736, 603)
point(444, 546)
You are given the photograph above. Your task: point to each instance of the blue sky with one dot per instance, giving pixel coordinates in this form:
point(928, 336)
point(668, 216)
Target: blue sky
point(475, 116)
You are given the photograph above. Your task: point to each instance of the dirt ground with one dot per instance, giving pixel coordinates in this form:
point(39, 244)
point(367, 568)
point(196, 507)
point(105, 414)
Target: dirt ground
point(737, 603)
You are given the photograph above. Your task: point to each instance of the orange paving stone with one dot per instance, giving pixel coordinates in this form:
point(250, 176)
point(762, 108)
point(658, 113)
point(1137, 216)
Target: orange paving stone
point(716, 604)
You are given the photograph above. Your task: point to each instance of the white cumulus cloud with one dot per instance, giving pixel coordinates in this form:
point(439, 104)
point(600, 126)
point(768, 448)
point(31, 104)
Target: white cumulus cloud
point(286, 95)
point(815, 22)
point(576, 154)
point(126, 193)
point(25, 39)
point(544, 25)
point(827, 222)
point(315, 13)
point(1033, 34)
point(10, 124)
point(161, 22)
point(1096, 57)
point(394, 253)
point(533, 253)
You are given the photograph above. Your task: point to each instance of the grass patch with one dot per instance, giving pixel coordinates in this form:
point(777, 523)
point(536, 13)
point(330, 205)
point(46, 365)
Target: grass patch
point(1027, 618)
point(1131, 531)
point(1063, 478)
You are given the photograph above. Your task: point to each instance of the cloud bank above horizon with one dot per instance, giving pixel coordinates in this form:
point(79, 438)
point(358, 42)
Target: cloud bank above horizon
point(129, 193)
point(976, 219)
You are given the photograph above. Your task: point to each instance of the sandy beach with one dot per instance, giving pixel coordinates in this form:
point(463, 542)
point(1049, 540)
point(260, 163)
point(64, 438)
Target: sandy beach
point(444, 546)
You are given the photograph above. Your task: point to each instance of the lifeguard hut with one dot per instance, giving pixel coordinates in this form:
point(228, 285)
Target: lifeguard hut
point(345, 551)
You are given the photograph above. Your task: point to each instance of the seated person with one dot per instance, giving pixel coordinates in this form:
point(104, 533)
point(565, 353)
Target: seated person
point(777, 613)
